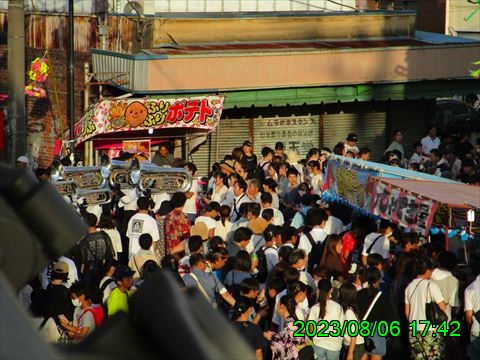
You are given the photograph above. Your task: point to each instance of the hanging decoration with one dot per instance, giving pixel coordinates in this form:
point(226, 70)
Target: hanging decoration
point(38, 73)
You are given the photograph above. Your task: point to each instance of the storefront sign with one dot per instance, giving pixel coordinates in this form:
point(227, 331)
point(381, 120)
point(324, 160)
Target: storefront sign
point(141, 114)
point(298, 133)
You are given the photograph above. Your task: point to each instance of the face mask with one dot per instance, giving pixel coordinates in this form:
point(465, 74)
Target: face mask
point(301, 193)
point(76, 302)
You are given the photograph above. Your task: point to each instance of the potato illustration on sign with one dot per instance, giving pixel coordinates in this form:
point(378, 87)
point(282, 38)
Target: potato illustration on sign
point(135, 114)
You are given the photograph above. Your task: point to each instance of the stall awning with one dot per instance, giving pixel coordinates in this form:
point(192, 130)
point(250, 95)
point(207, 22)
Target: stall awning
point(451, 194)
point(132, 114)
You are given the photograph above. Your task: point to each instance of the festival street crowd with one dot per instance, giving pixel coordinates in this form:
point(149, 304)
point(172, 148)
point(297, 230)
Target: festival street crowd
point(277, 260)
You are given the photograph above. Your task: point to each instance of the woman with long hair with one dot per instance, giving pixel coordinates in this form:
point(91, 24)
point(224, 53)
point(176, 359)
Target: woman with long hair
point(219, 188)
point(284, 344)
point(270, 186)
point(329, 311)
point(332, 257)
point(348, 300)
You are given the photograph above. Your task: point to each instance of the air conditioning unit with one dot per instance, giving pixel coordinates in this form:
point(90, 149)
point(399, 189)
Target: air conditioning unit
point(131, 7)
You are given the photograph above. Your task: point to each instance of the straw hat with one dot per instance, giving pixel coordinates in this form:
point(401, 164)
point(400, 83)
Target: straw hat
point(199, 229)
point(257, 225)
point(227, 166)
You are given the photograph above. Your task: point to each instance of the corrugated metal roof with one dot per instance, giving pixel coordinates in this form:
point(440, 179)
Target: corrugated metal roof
point(283, 46)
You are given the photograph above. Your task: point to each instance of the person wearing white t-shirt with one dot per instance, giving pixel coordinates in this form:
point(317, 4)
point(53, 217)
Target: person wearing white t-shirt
point(328, 310)
point(447, 283)
point(318, 219)
point(190, 207)
point(208, 218)
point(431, 141)
point(316, 176)
point(472, 305)
point(266, 201)
point(351, 144)
point(378, 242)
point(420, 291)
point(139, 224)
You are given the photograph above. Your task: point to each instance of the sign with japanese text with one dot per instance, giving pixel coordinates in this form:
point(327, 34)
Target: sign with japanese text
point(110, 116)
point(347, 181)
point(400, 207)
point(298, 133)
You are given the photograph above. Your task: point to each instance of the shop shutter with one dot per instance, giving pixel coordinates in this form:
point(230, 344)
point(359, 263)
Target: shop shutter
point(410, 117)
point(370, 128)
point(231, 133)
point(296, 132)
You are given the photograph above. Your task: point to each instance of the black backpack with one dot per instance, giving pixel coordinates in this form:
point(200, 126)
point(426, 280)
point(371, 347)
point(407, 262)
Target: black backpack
point(315, 254)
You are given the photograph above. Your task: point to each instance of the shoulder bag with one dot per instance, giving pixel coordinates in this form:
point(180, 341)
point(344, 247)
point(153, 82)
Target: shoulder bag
point(433, 313)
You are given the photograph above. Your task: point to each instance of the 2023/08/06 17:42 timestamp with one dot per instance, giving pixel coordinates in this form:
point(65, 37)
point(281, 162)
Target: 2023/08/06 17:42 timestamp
point(446, 328)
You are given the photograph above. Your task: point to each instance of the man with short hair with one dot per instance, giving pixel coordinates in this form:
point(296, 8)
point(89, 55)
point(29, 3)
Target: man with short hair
point(207, 283)
point(162, 156)
point(195, 245)
point(266, 200)
point(431, 141)
point(253, 190)
point(119, 297)
point(364, 154)
point(239, 190)
point(139, 224)
point(318, 219)
point(378, 241)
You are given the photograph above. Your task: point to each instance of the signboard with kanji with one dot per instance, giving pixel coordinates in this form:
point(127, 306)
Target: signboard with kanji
point(110, 116)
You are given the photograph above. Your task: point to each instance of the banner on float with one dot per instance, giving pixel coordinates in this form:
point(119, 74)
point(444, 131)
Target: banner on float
point(402, 208)
point(347, 182)
point(109, 116)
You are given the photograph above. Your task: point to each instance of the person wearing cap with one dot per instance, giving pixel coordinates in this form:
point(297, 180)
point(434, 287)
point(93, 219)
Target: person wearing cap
point(58, 294)
point(119, 297)
point(249, 159)
point(22, 162)
point(45, 276)
point(351, 144)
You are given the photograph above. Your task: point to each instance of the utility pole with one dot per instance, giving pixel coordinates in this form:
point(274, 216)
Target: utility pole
point(71, 77)
point(16, 136)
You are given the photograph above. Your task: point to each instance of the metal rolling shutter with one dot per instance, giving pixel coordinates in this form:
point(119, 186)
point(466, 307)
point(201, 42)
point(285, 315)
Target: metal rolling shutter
point(296, 132)
point(410, 117)
point(231, 133)
point(370, 128)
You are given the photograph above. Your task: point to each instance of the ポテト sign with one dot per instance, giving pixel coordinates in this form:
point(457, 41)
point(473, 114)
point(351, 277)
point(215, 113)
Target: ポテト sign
point(110, 116)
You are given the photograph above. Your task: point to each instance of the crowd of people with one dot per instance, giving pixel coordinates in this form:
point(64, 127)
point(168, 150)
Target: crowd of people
point(268, 253)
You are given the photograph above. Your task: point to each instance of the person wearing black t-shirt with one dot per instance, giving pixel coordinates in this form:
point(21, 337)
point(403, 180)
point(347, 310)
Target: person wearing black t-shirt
point(251, 332)
point(249, 159)
point(382, 310)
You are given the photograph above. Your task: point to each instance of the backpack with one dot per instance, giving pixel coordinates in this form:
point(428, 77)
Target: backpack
point(315, 254)
point(262, 265)
point(98, 314)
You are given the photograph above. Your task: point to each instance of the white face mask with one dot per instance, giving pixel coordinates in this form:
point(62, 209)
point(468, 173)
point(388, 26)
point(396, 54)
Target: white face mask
point(76, 302)
point(301, 193)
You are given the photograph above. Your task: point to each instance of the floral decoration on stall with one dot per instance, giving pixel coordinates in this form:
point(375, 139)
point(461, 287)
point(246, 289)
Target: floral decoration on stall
point(38, 73)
